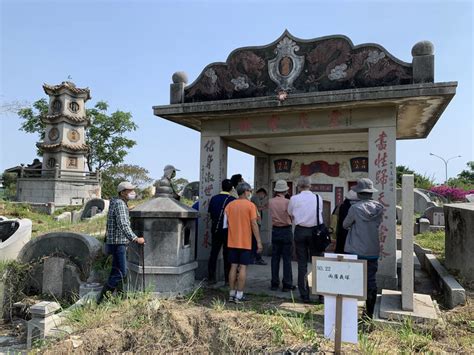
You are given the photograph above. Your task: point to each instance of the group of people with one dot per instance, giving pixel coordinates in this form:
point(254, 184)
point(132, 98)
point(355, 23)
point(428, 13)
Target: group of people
point(235, 228)
point(236, 216)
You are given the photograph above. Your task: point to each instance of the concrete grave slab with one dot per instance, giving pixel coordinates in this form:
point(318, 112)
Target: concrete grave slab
point(424, 309)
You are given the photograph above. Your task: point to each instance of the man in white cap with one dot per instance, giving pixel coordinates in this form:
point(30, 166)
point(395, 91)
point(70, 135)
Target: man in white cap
point(118, 235)
point(363, 221)
point(282, 237)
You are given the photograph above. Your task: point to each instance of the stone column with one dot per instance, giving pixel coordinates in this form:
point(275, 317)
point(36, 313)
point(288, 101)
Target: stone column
point(408, 184)
point(262, 179)
point(213, 169)
point(382, 148)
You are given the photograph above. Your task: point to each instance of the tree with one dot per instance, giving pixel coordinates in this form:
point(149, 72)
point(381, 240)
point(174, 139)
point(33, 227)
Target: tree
point(133, 173)
point(465, 179)
point(9, 184)
point(421, 181)
point(105, 136)
point(179, 184)
point(468, 175)
point(113, 175)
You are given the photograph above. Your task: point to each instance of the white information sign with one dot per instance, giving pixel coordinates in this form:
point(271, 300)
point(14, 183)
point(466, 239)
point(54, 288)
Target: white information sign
point(349, 329)
point(339, 277)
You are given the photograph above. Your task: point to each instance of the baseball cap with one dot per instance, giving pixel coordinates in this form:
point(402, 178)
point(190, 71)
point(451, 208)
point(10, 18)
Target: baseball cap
point(170, 167)
point(125, 185)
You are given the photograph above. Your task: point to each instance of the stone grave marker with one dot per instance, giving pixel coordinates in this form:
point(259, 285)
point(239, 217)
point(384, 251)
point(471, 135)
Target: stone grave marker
point(53, 276)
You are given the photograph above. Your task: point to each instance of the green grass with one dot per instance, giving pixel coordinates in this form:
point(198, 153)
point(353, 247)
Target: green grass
point(433, 241)
point(43, 223)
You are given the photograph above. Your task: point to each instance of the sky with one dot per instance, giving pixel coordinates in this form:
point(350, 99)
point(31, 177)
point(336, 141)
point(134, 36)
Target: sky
point(127, 51)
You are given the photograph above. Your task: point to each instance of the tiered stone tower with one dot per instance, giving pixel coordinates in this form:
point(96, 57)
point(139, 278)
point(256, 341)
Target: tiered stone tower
point(64, 143)
point(64, 179)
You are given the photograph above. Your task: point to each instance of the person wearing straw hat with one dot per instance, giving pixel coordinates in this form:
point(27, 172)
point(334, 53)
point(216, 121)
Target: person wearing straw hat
point(282, 237)
point(363, 221)
point(118, 235)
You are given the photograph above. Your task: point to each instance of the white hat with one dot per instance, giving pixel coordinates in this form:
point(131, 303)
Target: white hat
point(351, 195)
point(281, 186)
point(125, 185)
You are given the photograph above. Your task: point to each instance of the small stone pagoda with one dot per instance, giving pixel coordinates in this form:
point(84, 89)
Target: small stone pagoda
point(63, 178)
point(64, 143)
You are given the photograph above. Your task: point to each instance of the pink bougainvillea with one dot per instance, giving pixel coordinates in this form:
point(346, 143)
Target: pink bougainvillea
point(451, 193)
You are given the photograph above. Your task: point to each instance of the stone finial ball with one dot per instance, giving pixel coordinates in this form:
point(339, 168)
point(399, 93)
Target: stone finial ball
point(422, 48)
point(180, 77)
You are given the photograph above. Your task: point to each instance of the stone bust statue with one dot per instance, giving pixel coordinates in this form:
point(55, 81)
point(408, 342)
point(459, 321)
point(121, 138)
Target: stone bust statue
point(164, 187)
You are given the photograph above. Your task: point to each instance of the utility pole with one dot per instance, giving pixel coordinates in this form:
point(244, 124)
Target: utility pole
point(445, 161)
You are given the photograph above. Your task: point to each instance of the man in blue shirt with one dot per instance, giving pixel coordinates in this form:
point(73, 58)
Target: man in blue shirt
point(219, 235)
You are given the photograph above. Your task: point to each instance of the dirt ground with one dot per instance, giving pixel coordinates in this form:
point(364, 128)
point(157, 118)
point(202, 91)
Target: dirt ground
point(205, 322)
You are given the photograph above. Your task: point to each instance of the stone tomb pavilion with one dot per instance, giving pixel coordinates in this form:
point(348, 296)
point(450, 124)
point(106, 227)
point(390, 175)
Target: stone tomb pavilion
point(322, 108)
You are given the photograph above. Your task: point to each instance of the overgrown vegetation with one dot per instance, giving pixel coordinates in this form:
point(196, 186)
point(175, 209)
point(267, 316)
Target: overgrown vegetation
point(204, 322)
point(433, 241)
point(14, 276)
point(421, 181)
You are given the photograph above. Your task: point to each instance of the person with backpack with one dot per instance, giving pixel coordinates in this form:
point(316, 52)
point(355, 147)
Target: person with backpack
point(216, 209)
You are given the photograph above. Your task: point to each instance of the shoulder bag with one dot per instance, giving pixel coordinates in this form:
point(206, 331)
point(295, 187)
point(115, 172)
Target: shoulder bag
point(320, 236)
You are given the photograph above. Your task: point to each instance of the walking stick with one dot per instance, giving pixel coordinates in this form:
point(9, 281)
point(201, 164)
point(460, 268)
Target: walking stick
point(142, 251)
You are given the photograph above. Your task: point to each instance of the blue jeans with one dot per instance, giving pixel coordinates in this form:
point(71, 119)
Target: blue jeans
point(282, 247)
point(119, 265)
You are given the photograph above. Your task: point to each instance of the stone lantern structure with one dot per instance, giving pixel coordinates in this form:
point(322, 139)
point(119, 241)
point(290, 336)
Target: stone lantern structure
point(63, 178)
point(169, 229)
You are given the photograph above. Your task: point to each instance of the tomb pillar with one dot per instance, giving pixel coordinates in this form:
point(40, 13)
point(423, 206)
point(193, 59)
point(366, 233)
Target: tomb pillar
point(382, 171)
point(262, 180)
point(213, 169)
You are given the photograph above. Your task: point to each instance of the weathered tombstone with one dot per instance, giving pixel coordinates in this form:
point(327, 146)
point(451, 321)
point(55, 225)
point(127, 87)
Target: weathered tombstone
point(459, 242)
point(93, 211)
point(78, 251)
point(53, 276)
point(429, 213)
point(94, 207)
point(424, 225)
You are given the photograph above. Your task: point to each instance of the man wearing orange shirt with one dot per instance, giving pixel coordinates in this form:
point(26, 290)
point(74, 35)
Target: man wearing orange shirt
point(241, 219)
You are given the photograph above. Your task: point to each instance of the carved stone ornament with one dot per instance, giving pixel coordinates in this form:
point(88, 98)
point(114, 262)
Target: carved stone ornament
point(56, 105)
point(72, 162)
point(53, 134)
point(285, 68)
point(51, 163)
point(73, 107)
point(73, 135)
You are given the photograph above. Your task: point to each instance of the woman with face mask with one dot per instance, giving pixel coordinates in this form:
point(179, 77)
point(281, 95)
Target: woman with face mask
point(118, 235)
